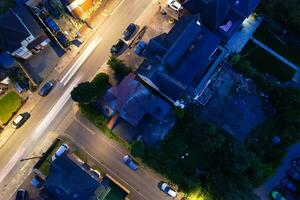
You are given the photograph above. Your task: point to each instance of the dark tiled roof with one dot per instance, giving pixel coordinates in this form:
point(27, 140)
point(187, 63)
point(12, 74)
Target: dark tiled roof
point(187, 58)
point(68, 181)
point(132, 100)
point(13, 30)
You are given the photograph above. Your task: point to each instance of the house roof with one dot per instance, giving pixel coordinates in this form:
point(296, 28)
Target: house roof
point(16, 25)
point(68, 181)
point(132, 101)
point(188, 57)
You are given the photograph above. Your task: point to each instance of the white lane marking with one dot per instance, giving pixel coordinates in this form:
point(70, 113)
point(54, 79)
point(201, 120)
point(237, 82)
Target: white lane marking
point(84, 55)
point(39, 130)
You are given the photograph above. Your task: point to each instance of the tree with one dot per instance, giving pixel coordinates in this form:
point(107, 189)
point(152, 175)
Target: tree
point(138, 149)
point(119, 67)
point(84, 93)
point(101, 82)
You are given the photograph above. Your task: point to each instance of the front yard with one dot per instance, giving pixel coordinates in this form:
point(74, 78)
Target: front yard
point(44, 163)
point(265, 62)
point(9, 104)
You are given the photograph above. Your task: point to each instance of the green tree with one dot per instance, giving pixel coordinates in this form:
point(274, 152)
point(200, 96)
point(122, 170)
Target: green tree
point(84, 93)
point(119, 67)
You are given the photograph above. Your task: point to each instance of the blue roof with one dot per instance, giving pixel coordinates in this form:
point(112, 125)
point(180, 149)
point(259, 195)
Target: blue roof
point(6, 60)
point(132, 100)
point(182, 44)
point(196, 59)
point(68, 181)
point(187, 58)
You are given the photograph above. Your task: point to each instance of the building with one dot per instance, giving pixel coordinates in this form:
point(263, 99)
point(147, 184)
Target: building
point(20, 34)
point(224, 17)
point(68, 181)
point(133, 110)
point(78, 8)
point(176, 63)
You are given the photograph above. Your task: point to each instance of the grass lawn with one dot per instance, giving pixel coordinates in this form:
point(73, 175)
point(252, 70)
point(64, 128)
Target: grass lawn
point(5, 5)
point(266, 35)
point(44, 163)
point(116, 193)
point(9, 104)
point(266, 62)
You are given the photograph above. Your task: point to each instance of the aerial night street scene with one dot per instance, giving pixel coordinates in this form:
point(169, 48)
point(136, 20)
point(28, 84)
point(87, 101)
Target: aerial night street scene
point(149, 99)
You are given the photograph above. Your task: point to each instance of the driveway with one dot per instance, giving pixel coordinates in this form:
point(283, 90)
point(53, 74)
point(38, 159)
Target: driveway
point(263, 190)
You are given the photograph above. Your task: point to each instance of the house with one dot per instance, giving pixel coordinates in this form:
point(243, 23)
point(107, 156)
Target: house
point(176, 63)
point(68, 181)
point(133, 109)
point(20, 34)
point(224, 17)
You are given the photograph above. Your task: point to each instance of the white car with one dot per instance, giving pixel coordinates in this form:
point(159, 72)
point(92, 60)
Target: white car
point(175, 5)
point(20, 120)
point(61, 150)
point(168, 190)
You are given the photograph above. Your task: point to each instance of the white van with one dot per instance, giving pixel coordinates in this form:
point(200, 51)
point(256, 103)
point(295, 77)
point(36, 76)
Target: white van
point(175, 5)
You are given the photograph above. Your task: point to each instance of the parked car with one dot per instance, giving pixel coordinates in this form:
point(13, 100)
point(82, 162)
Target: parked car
point(46, 88)
point(52, 9)
point(293, 174)
point(22, 194)
point(140, 48)
point(61, 150)
point(129, 31)
point(296, 162)
point(175, 5)
point(277, 196)
point(167, 189)
point(37, 182)
point(85, 167)
point(63, 40)
point(127, 160)
point(95, 174)
point(118, 47)
point(51, 24)
point(20, 120)
point(288, 185)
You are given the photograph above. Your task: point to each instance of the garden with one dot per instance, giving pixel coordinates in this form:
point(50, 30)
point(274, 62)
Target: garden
point(9, 105)
point(267, 63)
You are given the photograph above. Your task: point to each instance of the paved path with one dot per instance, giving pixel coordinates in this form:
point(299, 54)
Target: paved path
point(240, 38)
point(274, 53)
point(263, 190)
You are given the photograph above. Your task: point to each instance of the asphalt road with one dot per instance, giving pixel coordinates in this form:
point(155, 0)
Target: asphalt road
point(54, 109)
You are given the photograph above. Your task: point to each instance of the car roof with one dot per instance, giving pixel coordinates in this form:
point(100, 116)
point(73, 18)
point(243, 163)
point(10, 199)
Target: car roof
point(18, 119)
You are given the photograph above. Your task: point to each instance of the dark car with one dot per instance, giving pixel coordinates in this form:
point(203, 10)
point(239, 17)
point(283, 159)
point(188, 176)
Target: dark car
point(288, 185)
point(46, 88)
point(20, 120)
point(293, 174)
point(140, 48)
point(63, 40)
point(296, 162)
point(52, 9)
point(22, 194)
point(129, 32)
point(127, 160)
point(85, 167)
point(117, 47)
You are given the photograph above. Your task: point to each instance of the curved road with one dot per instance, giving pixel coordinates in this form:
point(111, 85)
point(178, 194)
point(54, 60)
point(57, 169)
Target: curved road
point(51, 111)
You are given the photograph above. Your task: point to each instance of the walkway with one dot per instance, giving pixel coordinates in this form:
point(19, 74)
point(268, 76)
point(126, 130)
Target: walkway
point(240, 38)
point(271, 51)
point(263, 190)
